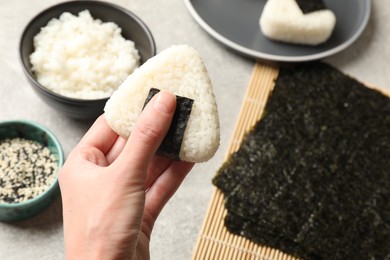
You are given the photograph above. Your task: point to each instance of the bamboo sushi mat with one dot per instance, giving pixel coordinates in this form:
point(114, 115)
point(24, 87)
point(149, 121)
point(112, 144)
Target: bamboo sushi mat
point(214, 241)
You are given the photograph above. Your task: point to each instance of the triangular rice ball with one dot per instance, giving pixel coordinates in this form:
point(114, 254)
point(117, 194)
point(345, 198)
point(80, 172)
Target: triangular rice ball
point(180, 70)
point(283, 20)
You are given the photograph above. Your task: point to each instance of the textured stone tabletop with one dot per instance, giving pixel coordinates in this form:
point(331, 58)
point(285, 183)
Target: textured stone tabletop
point(176, 230)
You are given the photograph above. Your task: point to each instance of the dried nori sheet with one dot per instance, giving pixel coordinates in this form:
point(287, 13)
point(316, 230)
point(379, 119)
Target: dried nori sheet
point(170, 146)
point(244, 227)
point(308, 6)
point(312, 177)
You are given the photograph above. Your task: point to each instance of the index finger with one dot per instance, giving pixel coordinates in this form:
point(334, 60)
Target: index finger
point(100, 135)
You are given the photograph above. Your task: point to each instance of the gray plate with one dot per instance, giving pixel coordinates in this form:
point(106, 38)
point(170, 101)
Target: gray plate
point(235, 23)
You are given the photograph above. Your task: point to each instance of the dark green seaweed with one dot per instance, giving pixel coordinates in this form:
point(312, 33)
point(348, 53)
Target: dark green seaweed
point(170, 146)
point(261, 235)
point(308, 6)
point(312, 177)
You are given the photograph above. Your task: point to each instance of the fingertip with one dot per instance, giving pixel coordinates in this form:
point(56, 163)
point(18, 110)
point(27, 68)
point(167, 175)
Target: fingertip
point(165, 102)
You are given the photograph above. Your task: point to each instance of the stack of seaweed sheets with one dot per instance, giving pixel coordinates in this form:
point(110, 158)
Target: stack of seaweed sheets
point(312, 178)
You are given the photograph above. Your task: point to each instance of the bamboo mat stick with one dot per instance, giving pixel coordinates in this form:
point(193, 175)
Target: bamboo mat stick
point(214, 241)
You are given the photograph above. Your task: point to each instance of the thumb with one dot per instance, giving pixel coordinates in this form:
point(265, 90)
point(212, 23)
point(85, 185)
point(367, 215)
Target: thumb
point(147, 135)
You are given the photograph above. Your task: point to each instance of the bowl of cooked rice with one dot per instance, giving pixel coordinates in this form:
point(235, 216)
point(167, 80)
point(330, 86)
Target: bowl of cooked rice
point(76, 54)
point(30, 159)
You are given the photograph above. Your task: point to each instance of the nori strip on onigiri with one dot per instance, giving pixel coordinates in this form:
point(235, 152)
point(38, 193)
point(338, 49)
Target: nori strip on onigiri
point(308, 6)
point(312, 177)
point(170, 146)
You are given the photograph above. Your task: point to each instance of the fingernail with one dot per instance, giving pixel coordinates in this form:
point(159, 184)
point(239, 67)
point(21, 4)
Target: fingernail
point(165, 102)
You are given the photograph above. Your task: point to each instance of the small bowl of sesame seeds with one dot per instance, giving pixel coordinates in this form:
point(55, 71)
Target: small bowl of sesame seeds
point(30, 157)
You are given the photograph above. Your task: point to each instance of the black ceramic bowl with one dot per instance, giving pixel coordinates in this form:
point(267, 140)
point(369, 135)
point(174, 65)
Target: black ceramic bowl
point(133, 28)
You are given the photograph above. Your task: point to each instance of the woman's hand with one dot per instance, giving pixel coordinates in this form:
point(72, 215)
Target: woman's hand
point(113, 189)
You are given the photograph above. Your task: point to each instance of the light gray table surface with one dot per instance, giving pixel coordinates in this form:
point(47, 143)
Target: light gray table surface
point(178, 226)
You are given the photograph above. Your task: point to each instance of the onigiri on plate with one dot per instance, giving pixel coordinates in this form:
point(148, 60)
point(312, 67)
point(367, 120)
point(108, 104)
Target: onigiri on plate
point(180, 70)
point(306, 22)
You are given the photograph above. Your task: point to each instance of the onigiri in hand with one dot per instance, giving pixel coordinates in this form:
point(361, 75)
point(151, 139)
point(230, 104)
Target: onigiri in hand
point(180, 70)
point(306, 22)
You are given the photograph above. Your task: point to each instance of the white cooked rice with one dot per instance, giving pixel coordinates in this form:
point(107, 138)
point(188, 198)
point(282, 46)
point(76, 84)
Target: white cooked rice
point(283, 20)
point(178, 69)
point(82, 57)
